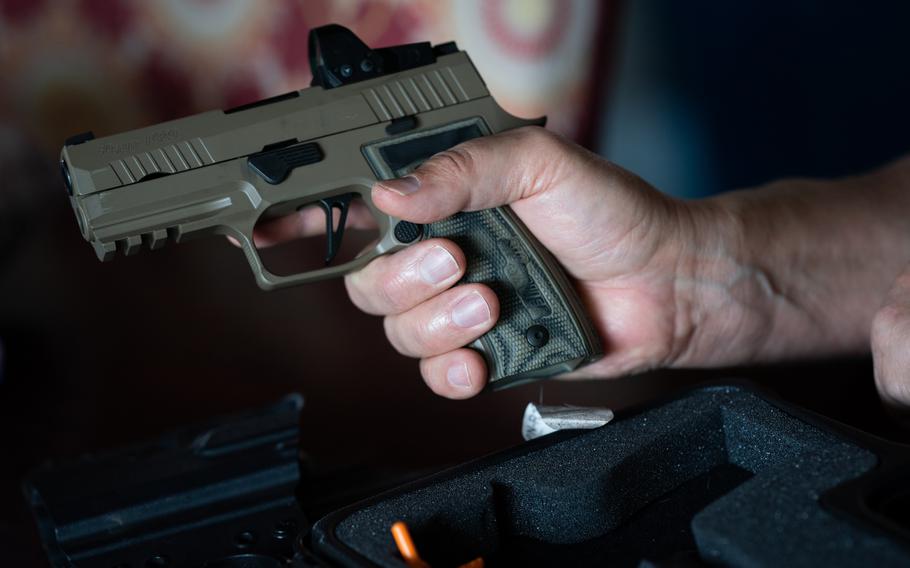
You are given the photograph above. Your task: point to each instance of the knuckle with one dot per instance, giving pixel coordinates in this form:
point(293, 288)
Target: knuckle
point(391, 326)
point(372, 291)
point(427, 336)
point(457, 162)
point(411, 337)
point(545, 156)
point(393, 292)
point(891, 323)
point(430, 373)
point(537, 139)
point(354, 286)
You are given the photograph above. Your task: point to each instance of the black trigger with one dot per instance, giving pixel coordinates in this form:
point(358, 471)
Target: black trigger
point(335, 234)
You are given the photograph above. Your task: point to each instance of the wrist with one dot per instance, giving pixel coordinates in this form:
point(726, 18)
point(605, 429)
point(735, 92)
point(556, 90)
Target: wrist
point(726, 302)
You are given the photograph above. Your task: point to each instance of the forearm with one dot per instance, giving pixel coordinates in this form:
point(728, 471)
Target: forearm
point(794, 269)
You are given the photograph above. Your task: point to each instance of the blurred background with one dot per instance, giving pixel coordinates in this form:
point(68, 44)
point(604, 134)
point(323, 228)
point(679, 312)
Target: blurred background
point(697, 97)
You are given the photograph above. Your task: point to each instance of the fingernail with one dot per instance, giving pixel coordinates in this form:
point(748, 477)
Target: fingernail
point(402, 186)
point(458, 376)
point(470, 311)
point(437, 266)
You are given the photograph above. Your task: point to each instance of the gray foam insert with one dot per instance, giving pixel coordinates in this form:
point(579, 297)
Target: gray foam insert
point(578, 488)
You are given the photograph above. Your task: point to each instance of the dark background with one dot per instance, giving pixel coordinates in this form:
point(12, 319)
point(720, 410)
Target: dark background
point(697, 97)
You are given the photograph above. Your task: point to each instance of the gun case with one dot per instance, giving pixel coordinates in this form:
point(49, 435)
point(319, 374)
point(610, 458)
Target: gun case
point(718, 475)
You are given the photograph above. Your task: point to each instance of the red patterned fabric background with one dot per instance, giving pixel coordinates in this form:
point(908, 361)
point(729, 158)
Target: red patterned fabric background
point(109, 65)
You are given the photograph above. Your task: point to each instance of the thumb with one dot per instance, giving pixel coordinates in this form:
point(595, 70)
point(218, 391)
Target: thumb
point(478, 174)
point(891, 346)
point(581, 207)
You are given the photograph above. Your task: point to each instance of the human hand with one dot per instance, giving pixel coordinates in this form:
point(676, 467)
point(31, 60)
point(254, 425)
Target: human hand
point(634, 254)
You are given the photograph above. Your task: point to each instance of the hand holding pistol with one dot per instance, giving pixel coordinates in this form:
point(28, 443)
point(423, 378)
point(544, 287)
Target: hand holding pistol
point(370, 114)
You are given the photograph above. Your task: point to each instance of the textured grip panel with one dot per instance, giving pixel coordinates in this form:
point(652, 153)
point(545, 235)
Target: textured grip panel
point(503, 255)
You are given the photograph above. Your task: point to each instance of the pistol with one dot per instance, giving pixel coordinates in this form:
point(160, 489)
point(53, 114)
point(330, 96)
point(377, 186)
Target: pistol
point(369, 114)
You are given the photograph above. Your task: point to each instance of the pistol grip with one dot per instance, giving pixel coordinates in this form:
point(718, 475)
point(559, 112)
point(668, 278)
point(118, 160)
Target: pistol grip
point(542, 329)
